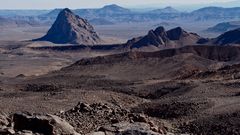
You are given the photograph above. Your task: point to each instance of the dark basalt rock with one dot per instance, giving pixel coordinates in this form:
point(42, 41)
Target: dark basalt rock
point(230, 37)
point(159, 37)
point(203, 41)
point(42, 124)
point(70, 28)
point(176, 33)
point(154, 37)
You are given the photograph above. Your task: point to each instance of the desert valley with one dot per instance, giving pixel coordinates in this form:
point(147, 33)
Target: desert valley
point(117, 71)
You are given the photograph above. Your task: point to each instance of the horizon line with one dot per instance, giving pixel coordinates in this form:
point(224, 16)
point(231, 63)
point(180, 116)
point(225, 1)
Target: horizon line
point(128, 7)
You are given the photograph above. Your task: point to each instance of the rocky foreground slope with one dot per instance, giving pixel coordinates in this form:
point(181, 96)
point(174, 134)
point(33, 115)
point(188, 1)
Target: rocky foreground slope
point(94, 119)
point(194, 89)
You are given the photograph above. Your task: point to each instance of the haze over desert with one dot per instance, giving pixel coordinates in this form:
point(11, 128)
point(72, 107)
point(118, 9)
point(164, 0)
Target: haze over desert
point(117, 68)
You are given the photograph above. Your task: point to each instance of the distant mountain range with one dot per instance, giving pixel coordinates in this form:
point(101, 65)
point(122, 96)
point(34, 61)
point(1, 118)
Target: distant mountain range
point(115, 13)
point(111, 14)
point(166, 10)
point(215, 13)
point(224, 27)
point(18, 22)
point(12, 13)
point(229, 4)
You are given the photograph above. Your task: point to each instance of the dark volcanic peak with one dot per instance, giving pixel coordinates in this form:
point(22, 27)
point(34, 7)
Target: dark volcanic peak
point(230, 37)
point(160, 32)
point(154, 37)
point(159, 37)
point(70, 28)
point(176, 33)
point(65, 14)
point(66, 10)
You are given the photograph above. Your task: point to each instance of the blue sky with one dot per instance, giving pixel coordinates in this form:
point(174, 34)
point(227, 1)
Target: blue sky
point(49, 4)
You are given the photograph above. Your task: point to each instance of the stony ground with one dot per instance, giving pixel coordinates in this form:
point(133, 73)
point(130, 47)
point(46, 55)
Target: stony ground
point(183, 93)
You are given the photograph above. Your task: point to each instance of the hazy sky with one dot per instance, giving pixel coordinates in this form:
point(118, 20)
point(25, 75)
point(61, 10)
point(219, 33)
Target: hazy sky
point(46, 4)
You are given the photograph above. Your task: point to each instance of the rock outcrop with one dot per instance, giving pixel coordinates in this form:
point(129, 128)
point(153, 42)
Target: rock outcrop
point(35, 124)
point(102, 118)
point(159, 37)
point(70, 28)
point(126, 128)
point(90, 119)
point(230, 37)
point(3, 119)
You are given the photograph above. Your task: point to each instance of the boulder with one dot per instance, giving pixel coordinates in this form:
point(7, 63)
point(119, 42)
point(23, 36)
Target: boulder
point(126, 128)
point(3, 120)
point(42, 124)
